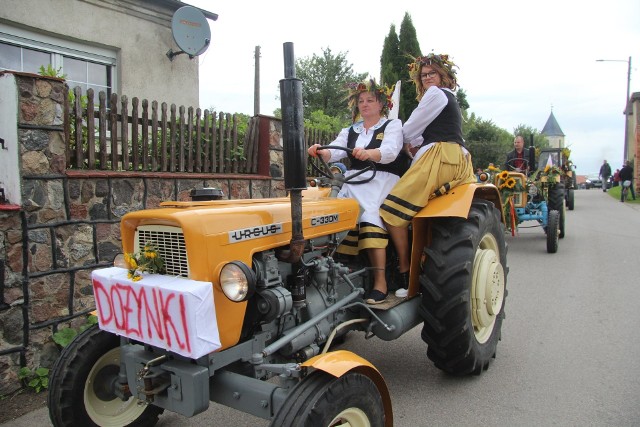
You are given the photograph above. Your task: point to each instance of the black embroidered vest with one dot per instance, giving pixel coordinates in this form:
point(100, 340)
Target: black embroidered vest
point(398, 167)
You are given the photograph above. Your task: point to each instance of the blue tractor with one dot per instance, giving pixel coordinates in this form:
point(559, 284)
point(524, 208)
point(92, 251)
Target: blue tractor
point(539, 197)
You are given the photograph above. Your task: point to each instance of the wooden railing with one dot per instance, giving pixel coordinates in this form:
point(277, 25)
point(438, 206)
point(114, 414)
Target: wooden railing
point(156, 137)
point(152, 137)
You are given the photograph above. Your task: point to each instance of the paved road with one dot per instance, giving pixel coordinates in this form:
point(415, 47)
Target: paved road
point(570, 353)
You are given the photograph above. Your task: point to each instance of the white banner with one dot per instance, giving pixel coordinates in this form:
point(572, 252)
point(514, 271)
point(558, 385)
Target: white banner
point(173, 313)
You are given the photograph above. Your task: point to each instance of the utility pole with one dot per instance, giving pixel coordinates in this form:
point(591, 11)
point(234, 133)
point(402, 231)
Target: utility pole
point(626, 104)
point(256, 90)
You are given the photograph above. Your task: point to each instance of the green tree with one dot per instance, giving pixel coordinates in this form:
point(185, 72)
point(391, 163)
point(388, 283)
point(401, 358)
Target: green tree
point(539, 140)
point(486, 142)
point(461, 96)
point(391, 63)
point(408, 47)
point(320, 121)
point(324, 81)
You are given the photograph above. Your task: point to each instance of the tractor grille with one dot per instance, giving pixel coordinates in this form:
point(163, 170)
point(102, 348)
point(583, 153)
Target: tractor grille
point(170, 244)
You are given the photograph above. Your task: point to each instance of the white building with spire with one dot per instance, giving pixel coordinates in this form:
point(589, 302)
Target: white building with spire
point(553, 133)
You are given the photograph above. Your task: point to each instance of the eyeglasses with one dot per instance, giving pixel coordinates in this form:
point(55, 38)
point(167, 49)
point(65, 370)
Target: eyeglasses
point(428, 75)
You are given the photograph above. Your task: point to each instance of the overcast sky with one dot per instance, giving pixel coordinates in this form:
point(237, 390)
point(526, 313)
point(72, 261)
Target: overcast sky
point(517, 60)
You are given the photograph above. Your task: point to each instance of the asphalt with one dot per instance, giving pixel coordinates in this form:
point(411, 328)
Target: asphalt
point(40, 417)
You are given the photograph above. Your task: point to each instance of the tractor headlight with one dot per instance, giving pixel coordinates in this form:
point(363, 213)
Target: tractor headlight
point(238, 281)
point(119, 261)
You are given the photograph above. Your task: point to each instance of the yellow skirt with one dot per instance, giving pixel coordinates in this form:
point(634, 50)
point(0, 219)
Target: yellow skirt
point(441, 168)
point(364, 236)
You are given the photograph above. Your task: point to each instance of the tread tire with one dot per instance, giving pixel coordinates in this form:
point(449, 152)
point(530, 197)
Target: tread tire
point(455, 344)
point(552, 231)
point(556, 202)
point(320, 397)
point(66, 399)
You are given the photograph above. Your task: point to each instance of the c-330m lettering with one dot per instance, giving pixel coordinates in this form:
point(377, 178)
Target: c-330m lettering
point(254, 232)
point(324, 220)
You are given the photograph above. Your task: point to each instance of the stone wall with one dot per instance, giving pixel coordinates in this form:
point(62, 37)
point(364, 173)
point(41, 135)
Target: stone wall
point(67, 223)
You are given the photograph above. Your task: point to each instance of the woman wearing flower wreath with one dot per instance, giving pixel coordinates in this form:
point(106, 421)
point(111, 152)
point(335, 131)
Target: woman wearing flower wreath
point(371, 137)
point(441, 162)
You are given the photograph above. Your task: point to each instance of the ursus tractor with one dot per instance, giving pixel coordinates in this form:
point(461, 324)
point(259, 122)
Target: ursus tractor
point(212, 298)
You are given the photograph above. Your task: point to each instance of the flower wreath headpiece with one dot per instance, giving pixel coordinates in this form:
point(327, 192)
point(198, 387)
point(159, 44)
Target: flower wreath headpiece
point(382, 93)
point(440, 61)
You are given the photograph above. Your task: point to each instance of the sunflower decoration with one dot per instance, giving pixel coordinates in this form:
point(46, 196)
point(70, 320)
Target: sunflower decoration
point(508, 187)
point(147, 260)
point(382, 92)
point(548, 174)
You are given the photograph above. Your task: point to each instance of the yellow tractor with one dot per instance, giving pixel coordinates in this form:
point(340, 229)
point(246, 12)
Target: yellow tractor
point(214, 297)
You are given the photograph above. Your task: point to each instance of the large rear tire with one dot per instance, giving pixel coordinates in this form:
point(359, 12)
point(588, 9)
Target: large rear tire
point(80, 391)
point(570, 199)
point(463, 287)
point(553, 221)
point(322, 400)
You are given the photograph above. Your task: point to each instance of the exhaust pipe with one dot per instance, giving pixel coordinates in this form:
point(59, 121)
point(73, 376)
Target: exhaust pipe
point(532, 156)
point(295, 155)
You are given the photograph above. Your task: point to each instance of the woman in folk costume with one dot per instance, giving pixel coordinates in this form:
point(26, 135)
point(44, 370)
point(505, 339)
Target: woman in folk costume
point(372, 137)
point(441, 162)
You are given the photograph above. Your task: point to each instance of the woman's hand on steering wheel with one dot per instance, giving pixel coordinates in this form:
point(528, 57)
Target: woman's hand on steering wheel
point(325, 170)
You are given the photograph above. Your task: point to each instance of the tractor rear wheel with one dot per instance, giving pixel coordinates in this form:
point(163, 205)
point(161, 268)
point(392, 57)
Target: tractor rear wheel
point(463, 286)
point(570, 199)
point(323, 400)
point(553, 221)
point(82, 381)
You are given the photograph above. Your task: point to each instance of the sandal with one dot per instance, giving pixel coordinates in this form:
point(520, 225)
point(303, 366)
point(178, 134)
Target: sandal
point(376, 297)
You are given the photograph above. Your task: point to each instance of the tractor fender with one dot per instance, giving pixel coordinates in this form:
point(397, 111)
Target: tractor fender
point(339, 362)
point(455, 203)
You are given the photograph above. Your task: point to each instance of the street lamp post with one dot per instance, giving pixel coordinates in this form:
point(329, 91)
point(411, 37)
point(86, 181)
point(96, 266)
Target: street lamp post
point(626, 103)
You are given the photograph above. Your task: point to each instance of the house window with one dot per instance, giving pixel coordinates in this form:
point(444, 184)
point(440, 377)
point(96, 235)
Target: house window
point(87, 75)
point(82, 65)
point(22, 59)
point(78, 72)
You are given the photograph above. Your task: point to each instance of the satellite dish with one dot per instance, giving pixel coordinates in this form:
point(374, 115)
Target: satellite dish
point(191, 32)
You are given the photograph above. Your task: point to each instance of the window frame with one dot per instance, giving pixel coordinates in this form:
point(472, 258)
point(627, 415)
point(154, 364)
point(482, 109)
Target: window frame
point(58, 48)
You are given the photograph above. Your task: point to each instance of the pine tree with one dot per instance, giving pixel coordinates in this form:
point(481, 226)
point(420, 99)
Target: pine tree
point(389, 71)
point(408, 47)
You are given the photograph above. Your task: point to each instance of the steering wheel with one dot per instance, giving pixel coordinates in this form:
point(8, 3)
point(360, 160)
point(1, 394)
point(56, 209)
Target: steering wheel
point(325, 170)
point(511, 165)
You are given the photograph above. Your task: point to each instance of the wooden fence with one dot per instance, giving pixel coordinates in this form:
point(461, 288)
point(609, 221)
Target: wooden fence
point(152, 137)
point(155, 137)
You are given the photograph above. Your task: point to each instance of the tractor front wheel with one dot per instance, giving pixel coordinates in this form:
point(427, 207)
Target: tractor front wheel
point(553, 222)
point(464, 289)
point(81, 389)
point(556, 202)
point(322, 400)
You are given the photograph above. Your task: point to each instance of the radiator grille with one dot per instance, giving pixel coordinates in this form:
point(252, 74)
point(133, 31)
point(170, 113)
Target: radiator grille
point(170, 244)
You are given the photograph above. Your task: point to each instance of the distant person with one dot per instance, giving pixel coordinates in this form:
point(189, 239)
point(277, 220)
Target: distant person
point(626, 174)
point(518, 159)
point(605, 173)
point(616, 178)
